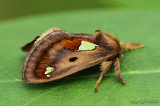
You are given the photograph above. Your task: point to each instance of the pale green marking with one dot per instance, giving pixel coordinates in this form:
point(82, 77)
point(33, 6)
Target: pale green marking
point(49, 70)
point(48, 75)
point(87, 45)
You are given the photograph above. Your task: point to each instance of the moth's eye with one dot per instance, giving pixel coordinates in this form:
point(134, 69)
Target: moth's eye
point(73, 59)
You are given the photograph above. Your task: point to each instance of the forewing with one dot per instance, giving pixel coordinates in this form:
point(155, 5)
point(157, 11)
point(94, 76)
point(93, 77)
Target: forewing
point(57, 55)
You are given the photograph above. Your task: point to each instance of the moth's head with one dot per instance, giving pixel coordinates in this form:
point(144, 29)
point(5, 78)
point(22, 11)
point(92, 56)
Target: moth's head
point(108, 41)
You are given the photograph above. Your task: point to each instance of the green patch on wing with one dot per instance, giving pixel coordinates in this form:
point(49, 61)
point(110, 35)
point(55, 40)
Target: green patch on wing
point(87, 46)
point(49, 70)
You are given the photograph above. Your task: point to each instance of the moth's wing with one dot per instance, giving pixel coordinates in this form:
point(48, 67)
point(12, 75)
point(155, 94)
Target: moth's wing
point(61, 56)
point(27, 47)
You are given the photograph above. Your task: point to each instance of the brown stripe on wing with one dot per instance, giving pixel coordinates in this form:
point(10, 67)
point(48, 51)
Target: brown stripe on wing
point(74, 43)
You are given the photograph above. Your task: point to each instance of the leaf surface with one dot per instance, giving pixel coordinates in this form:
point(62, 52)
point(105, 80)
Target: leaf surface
point(140, 68)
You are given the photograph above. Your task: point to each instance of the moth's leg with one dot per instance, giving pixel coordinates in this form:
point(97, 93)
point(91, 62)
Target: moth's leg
point(117, 70)
point(131, 46)
point(104, 68)
point(29, 45)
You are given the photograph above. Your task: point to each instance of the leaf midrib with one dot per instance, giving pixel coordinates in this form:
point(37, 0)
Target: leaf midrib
point(127, 73)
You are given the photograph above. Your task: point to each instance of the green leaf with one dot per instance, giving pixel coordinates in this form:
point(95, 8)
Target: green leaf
point(140, 68)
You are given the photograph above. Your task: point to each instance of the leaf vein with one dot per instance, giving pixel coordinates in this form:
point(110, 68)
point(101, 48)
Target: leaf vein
point(31, 100)
point(127, 73)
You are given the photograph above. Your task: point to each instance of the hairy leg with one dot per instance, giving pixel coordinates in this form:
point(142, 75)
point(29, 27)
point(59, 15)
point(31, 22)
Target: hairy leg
point(117, 70)
point(104, 68)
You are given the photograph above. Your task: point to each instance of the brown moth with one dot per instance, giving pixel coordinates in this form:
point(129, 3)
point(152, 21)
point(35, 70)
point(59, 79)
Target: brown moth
point(57, 54)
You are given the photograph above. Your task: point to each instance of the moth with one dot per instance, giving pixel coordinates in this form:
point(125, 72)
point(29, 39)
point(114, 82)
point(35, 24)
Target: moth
point(57, 54)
